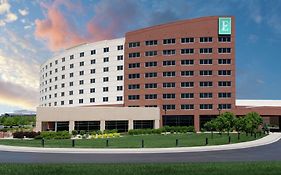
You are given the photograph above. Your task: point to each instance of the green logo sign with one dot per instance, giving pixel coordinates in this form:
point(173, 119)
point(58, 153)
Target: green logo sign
point(224, 26)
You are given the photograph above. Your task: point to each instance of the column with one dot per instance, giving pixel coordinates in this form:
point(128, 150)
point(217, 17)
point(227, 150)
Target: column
point(156, 124)
point(102, 125)
point(38, 126)
point(131, 124)
point(56, 126)
point(71, 126)
point(197, 123)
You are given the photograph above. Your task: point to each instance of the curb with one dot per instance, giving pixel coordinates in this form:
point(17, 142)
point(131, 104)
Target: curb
point(269, 139)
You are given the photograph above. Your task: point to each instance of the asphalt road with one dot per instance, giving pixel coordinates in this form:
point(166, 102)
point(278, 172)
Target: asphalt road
point(261, 153)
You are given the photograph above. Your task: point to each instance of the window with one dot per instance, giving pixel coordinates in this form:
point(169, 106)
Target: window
point(169, 41)
point(224, 106)
point(150, 96)
point(120, 67)
point(71, 83)
point(92, 100)
point(150, 85)
point(92, 90)
point(105, 89)
point(106, 59)
point(93, 71)
point(106, 49)
point(187, 73)
point(224, 95)
point(62, 103)
point(62, 94)
point(81, 91)
point(187, 106)
point(151, 64)
point(187, 51)
point(82, 54)
point(224, 39)
point(56, 70)
point(206, 72)
point(62, 68)
point(187, 95)
point(81, 63)
point(81, 72)
point(119, 88)
point(105, 69)
point(206, 106)
point(120, 57)
point(169, 63)
point(71, 57)
point(187, 84)
point(224, 72)
point(62, 85)
point(92, 80)
point(205, 84)
point(206, 95)
point(206, 50)
point(93, 61)
point(62, 76)
point(169, 74)
point(119, 78)
point(169, 107)
point(134, 44)
point(134, 65)
point(150, 74)
point(120, 47)
point(206, 61)
point(151, 43)
point(133, 97)
point(62, 60)
point(224, 61)
point(70, 102)
point(105, 99)
point(133, 76)
point(119, 98)
point(133, 86)
point(224, 83)
point(93, 52)
point(169, 85)
point(169, 96)
point(169, 52)
point(80, 101)
point(105, 79)
point(150, 53)
point(187, 62)
point(224, 50)
point(71, 66)
point(206, 39)
point(134, 55)
point(187, 40)
point(56, 62)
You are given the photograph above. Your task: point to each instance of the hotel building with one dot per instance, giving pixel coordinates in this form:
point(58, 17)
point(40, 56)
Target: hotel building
point(178, 74)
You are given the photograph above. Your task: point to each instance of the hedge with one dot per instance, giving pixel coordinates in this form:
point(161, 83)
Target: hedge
point(171, 129)
point(55, 135)
point(21, 134)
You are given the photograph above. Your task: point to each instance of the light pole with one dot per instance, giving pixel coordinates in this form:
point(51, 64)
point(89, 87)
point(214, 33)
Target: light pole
point(219, 109)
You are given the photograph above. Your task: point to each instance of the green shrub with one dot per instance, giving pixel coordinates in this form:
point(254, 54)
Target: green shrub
point(55, 135)
point(74, 132)
point(82, 132)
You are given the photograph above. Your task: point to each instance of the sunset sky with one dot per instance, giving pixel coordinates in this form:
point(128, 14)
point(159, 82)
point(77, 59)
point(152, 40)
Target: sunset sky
point(31, 31)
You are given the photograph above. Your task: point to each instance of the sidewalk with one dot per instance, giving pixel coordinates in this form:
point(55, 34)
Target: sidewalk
point(271, 138)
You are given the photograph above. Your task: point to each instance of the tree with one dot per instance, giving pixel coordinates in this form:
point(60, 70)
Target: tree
point(239, 124)
point(211, 126)
point(253, 121)
point(225, 122)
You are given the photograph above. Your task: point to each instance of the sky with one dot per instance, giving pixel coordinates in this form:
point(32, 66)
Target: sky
point(31, 31)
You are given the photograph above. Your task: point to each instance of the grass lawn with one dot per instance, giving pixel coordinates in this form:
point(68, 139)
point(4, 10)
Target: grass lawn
point(253, 168)
point(128, 141)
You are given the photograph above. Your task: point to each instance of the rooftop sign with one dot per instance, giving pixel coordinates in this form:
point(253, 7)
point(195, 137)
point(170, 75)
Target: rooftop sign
point(224, 26)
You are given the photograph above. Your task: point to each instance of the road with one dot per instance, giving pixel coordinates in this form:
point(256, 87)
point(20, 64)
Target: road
point(261, 153)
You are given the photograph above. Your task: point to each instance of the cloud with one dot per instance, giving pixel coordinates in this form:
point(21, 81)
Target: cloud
point(56, 30)
point(6, 16)
point(23, 12)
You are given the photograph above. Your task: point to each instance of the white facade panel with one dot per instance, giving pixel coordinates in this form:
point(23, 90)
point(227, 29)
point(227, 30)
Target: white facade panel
point(56, 78)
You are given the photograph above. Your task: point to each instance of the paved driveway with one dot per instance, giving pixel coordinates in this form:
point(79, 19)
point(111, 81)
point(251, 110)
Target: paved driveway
point(260, 153)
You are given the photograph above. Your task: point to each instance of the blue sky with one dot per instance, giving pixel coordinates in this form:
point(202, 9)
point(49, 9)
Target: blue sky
point(31, 31)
